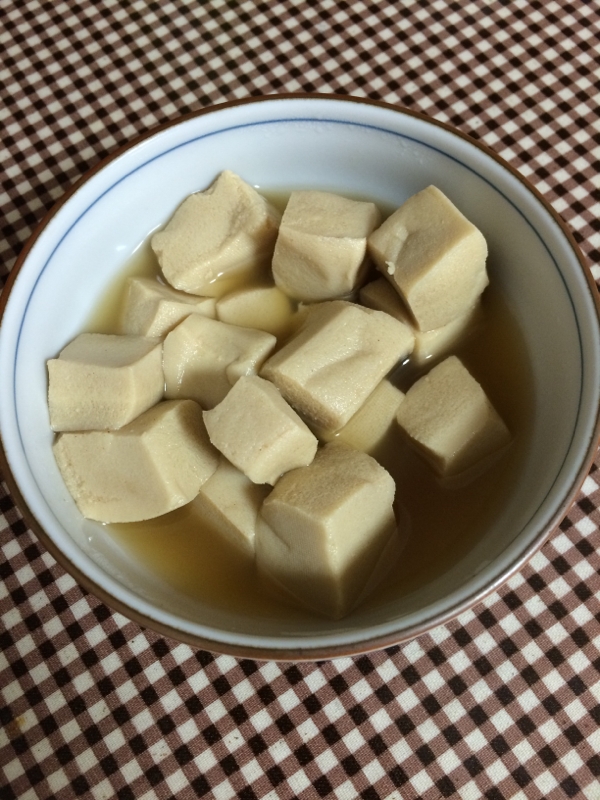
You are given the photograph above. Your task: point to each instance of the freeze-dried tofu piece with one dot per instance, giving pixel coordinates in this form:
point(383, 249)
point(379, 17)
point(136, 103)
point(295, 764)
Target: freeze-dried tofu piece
point(381, 295)
point(330, 367)
point(218, 238)
point(229, 503)
point(373, 421)
point(103, 381)
point(266, 308)
point(433, 256)
point(324, 529)
point(449, 418)
point(203, 358)
point(151, 308)
point(153, 465)
point(259, 432)
point(321, 248)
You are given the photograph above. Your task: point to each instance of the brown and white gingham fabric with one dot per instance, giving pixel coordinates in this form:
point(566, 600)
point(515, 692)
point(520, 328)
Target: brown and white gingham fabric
point(503, 702)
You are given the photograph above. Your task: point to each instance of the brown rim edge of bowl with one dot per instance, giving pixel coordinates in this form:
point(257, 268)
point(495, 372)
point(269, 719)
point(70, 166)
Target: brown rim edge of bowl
point(308, 653)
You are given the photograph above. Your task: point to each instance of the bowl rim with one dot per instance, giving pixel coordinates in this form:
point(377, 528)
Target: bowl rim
point(307, 653)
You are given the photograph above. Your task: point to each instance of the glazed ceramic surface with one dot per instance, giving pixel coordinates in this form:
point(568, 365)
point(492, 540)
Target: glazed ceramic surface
point(277, 144)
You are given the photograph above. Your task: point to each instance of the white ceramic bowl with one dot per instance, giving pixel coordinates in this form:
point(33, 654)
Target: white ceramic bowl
point(349, 146)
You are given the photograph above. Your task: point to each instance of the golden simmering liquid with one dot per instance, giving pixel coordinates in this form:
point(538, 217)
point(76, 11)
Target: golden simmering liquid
point(443, 523)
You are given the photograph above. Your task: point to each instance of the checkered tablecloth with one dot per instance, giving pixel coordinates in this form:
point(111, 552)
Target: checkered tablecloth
point(502, 703)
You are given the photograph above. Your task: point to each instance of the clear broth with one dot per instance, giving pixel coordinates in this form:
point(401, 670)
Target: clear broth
point(444, 523)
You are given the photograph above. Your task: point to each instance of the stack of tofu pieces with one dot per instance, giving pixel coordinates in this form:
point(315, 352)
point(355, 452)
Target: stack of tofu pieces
point(250, 380)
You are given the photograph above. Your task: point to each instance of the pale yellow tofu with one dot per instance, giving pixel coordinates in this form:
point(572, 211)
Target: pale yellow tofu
point(259, 432)
point(103, 381)
point(153, 465)
point(203, 358)
point(373, 421)
point(300, 316)
point(218, 238)
point(381, 295)
point(229, 503)
point(450, 420)
point(433, 256)
point(329, 368)
point(322, 244)
point(266, 308)
point(324, 529)
point(151, 308)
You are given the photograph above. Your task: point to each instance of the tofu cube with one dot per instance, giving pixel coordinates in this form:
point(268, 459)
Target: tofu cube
point(373, 421)
point(218, 238)
point(229, 503)
point(153, 465)
point(259, 432)
point(322, 244)
point(381, 295)
point(203, 358)
point(330, 367)
point(103, 381)
point(266, 308)
point(151, 308)
point(450, 420)
point(433, 256)
point(324, 529)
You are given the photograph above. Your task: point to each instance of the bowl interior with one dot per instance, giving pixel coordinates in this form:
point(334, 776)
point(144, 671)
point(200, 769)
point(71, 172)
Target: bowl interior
point(278, 144)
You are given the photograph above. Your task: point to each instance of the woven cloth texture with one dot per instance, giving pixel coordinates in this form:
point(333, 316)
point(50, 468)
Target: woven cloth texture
point(503, 702)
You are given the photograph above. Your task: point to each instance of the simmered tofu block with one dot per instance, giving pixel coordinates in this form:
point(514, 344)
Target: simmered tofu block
point(103, 381)
point(203, 358)
point(151, 308)
point(373, 421)
point(433, 256)
point(381, 295)
point(229, 502)
point(330, 367)
point(449, 418)
point(259, 432)
point(324, 529)
point(153, 465)
point(321, 246)
point(217, 238)
point(264, 307)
